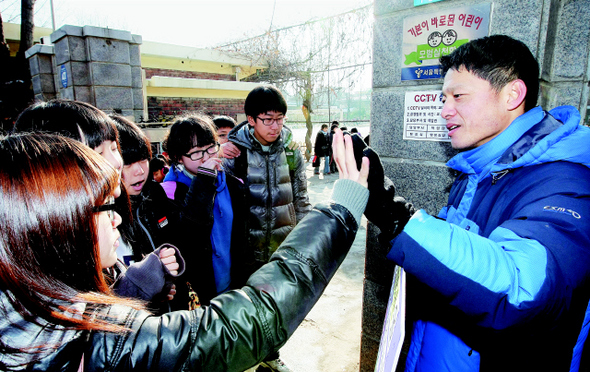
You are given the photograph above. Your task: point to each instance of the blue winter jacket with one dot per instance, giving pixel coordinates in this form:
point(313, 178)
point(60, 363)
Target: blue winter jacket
point(500, 280)
point(221, 228)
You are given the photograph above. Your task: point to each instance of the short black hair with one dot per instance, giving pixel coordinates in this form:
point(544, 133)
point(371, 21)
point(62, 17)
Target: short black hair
point(73, 119)
point(324, 126)
point(498, 59)
point(163, 158)
point(263, 99)
point(135, 146)
point(223, 121)
point(157, 164)
point(193, 130)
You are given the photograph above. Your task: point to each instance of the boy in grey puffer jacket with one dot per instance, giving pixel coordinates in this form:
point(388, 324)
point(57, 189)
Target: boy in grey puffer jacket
point(275, 176)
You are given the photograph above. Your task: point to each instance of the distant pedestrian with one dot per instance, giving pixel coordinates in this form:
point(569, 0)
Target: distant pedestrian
point(321, 150)
point(333, 168)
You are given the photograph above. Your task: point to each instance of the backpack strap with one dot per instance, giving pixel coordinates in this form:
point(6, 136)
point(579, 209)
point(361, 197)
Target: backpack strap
point(291, 160)
point(241, 164)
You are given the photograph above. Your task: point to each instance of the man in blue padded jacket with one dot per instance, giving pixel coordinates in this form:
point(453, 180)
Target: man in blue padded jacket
point(499, 280)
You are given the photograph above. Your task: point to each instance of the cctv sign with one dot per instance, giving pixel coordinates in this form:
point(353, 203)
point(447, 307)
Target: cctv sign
point(422, 120)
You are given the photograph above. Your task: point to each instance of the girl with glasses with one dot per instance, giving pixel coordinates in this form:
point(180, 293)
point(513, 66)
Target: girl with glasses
point(58, 313)
point(214, 201)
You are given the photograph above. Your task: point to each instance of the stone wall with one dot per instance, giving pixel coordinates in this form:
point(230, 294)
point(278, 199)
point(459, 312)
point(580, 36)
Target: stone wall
point(558, 34)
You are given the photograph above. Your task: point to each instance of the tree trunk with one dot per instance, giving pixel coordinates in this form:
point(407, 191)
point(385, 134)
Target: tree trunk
point(306, 108)
point(4, 77)
point(4, 50)
point(308, 145)
point(4, 54)
point(16, 92)
point(26, 26)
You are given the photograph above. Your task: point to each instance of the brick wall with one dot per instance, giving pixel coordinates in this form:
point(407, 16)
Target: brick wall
point(149, 72)
point(166, 108)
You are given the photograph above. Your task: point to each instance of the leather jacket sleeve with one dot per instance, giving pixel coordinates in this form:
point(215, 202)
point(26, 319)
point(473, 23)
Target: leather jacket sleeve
point(240, 327)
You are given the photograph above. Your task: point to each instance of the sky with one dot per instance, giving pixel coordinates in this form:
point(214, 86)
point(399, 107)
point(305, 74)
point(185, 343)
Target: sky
point(197, 23)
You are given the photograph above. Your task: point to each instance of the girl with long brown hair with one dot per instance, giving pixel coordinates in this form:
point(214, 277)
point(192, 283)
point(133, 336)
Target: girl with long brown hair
point(57, 313)
point(148, 278)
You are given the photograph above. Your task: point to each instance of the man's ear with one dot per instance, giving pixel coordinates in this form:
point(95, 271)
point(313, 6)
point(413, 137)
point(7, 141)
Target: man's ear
point(251, 121)
point(516, 93)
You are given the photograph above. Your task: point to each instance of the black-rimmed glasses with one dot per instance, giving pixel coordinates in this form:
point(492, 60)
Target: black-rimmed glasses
point(270, 121)
point(108, 206)
point(198, 154)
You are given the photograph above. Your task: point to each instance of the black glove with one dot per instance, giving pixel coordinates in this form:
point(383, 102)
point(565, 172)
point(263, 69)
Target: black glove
point(388, 212)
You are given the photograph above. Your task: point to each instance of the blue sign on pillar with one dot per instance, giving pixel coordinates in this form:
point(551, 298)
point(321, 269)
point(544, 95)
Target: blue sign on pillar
point(64, 76)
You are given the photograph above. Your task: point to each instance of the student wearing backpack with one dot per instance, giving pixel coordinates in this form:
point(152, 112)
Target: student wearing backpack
point(274, 175)
point(277, 187)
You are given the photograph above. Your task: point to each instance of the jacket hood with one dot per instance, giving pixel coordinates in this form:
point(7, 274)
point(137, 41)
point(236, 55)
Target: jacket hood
point(240, 135)
point(535, 137)
point(176, 174)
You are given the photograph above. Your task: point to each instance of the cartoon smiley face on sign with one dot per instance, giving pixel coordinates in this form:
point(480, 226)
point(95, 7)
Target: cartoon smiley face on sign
point(449, 37)
point(434, 39)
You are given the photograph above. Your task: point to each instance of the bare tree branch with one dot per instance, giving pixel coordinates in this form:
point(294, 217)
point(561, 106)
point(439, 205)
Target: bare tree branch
point(313, 58)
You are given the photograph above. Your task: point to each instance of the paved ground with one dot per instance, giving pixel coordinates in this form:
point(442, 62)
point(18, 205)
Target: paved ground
point(328, 340)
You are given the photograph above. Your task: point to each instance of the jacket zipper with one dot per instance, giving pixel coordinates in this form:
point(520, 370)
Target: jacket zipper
point(147, 233)
point(268, 204)
point(497, 175)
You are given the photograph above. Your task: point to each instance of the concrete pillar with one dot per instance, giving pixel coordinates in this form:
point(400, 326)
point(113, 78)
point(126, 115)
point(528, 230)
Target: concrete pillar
point(100, 66)
point(137, 79)
point(41, 64)
point(566, 68)
point(558, 34)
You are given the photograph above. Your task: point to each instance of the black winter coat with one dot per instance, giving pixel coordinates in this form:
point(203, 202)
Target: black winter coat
point(321, 145)
point(195, 238)
point(154, 215)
